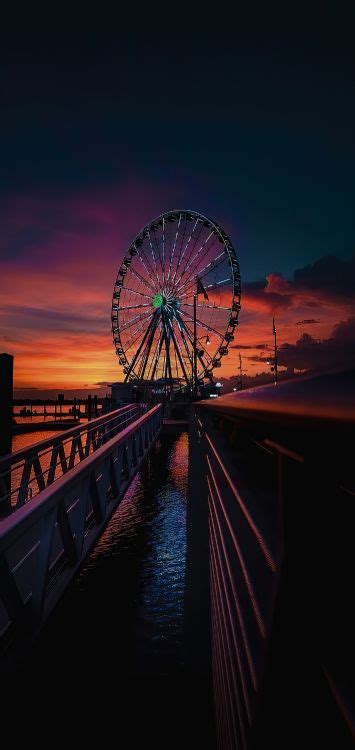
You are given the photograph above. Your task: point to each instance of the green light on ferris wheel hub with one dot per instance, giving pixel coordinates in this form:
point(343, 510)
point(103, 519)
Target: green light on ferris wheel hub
point(157, 300)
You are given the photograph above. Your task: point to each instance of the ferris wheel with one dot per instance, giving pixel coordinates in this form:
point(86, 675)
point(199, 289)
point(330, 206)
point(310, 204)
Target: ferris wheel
point(179, 255)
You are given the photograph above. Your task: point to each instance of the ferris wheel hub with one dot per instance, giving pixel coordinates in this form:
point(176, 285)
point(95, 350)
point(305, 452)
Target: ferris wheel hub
point(158, 300)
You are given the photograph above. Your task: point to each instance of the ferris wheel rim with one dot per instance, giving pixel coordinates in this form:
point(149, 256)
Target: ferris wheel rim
point(182, 317)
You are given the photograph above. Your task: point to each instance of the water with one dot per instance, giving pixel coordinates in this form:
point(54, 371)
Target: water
point(111, 659)
point(28, 438)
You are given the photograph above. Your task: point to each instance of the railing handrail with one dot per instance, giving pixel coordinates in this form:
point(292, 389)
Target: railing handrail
point(328, 397)
point(41, 445)
point(29, 513)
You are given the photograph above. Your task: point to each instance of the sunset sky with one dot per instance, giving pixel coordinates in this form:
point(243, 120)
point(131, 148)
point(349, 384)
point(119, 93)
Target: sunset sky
point(100, 135)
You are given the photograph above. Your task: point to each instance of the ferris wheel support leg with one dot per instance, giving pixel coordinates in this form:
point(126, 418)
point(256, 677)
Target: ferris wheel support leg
point(148, 348)
point(167, 350)
point(134, 360)
point(157, 356)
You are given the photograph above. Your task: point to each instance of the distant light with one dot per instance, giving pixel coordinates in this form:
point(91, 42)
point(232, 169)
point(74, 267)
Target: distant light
point(234, 389)
point(219, 385)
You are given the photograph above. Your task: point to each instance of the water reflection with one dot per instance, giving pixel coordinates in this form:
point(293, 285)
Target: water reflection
point(118, 632)
point(146, 537)
point(28, 438)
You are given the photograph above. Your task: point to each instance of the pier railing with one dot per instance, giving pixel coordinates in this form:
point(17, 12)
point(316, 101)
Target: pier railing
point(43, 543)
point(26, 472)
point(271, 521)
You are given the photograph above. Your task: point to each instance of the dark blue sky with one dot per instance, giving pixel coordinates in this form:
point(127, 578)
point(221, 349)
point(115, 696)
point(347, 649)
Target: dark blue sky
point(248, 119)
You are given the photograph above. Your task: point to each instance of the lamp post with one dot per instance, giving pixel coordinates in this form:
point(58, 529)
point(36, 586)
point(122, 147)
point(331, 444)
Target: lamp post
point(200, 289)
point(275, 351)
point(194, 378)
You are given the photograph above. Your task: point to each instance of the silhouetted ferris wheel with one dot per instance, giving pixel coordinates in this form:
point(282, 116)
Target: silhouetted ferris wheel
point(176, 256)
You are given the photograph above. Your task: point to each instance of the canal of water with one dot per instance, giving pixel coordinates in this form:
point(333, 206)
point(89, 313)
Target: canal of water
point(110, 661)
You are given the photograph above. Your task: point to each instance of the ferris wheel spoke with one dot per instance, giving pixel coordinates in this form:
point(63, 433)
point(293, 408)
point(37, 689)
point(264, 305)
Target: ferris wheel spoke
point(188, 259)
point(145, 260)
point(195, 272)
point(145, 282)
point(187, 244)
point(195, 243)
point(180, 251)
point(135, 291)
point(189, 285)
point(153, 256)
point(210, 307)
point(163, 250)
point(135, 337)
point(191, 270)
point(219, 284)
point(204, 325)
point(173, 249)
point(190, 263)
point(206, 270)
point(159, 256)
point(149, 257)
point(136, 307)
point(220, 258)
point(133, 320)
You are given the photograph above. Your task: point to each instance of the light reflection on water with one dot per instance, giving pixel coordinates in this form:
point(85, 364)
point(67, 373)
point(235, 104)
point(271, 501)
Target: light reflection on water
point(148, 530)
point(28, 438)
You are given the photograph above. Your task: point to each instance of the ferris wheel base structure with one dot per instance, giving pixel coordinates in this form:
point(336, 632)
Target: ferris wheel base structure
point(155, 392)
point(176, 303)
